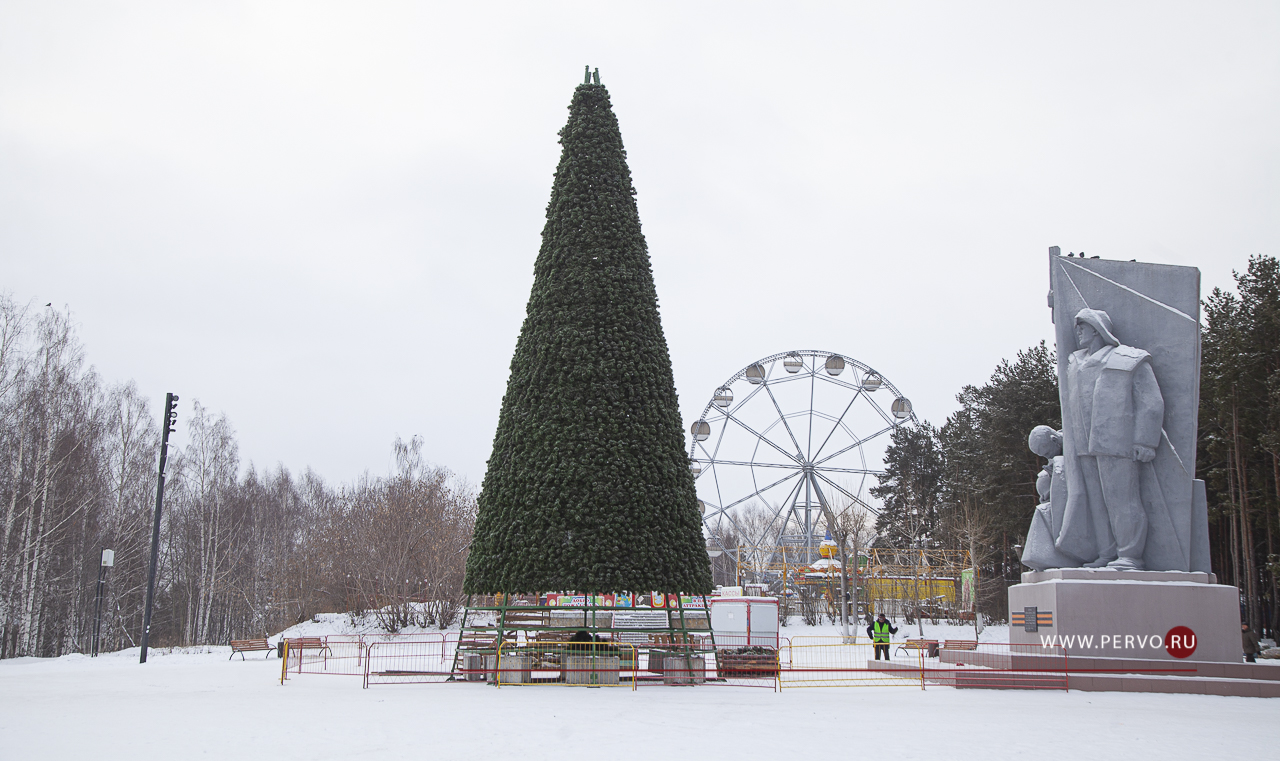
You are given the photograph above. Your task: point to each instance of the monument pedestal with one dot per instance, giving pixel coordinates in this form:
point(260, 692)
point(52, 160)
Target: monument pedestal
point(1127, 614)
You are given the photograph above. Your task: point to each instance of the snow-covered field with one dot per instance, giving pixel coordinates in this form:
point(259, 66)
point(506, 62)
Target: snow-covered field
point(196, 703)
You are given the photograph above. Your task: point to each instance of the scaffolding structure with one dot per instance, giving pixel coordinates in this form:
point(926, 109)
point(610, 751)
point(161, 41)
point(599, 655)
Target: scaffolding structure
point(542, 627)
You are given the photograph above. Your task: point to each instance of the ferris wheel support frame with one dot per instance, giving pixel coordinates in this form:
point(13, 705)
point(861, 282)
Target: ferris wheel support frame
point(810, 470)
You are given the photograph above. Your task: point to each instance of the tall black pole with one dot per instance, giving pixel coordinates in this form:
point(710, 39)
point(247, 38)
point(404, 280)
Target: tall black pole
point(170, 419)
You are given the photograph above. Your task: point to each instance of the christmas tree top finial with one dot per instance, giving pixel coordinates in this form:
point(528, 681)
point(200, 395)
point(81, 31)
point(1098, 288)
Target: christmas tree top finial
point(587, 75)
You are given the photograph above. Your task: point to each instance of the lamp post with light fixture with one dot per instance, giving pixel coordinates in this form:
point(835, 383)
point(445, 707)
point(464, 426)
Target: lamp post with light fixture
point(108, 560)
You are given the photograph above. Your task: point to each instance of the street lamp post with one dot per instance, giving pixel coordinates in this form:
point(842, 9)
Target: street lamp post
point(108, 560)
point(170, 421)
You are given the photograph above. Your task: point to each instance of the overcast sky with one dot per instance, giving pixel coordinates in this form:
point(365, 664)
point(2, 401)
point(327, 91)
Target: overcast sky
point(322, 219)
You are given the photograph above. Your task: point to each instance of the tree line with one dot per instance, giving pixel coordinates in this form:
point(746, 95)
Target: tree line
point(244, 551)
point(248, 551)
point(970, 483)
point(1239, 447)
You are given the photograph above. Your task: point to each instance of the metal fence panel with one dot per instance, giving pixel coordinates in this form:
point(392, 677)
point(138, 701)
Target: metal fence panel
point(408, 660)
point(963, 665)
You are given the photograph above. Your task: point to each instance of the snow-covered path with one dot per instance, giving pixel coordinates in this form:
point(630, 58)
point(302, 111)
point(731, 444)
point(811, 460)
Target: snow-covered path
point(201, 705)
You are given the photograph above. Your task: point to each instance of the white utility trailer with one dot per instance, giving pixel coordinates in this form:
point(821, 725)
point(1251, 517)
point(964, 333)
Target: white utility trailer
point(744, 621)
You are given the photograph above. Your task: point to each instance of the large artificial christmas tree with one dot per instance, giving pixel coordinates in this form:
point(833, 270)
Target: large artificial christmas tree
point(588, 487)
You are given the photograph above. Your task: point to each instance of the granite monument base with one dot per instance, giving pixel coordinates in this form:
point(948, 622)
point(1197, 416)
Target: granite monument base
point(1161, 615)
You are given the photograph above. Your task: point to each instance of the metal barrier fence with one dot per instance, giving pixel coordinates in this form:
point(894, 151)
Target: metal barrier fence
point(347, 654)
point(822, 639)
point(619, 664)
point(702, 663)
point(408, 660)
point(343, 655)
point(1003, 666)
point(802, 661)
point(585, 664)
point(841, 665)
point(974, 666)
point(581, 665)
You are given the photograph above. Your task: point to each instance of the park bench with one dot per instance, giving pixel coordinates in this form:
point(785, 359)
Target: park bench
point(472, 653)
point(640, 619)
point(487, 644)
point(930, 646)
point(307, 643)
point(243, 646)
point(960, 644)
point(519, 619)
point(547, 649)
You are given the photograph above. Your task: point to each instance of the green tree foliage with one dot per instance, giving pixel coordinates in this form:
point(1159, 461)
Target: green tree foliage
point(986, 439)
point(911, 488)
point(1239, 456)
point(970, 485)
point(588, 486)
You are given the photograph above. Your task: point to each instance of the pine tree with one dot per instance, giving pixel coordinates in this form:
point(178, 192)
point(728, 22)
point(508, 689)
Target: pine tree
point(588, 486)
point(985, 441)
point(1239, 450)
point(911, 488)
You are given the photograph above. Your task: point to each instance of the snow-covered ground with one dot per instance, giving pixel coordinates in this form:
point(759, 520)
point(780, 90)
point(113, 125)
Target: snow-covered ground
point(196, 703)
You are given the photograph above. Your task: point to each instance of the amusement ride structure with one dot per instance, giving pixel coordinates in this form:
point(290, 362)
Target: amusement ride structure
point(784, 448)
point(799, 434)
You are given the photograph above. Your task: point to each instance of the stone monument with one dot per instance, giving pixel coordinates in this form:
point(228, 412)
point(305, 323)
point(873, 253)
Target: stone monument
point(1120, 544)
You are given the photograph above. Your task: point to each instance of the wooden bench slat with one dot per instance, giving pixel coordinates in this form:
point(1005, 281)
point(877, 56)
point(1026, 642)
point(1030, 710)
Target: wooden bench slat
point(930, 646)
point(249, 645)
point(917, 644)
point(306, 643)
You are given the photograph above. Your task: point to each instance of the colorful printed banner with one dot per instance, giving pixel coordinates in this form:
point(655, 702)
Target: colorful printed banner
point(624, 600)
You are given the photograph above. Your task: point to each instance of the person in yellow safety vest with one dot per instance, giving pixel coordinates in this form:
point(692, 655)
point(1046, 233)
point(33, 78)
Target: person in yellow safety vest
point(879, 632)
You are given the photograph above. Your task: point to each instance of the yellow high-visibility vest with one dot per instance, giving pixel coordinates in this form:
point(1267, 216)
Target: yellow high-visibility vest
point(880, 632)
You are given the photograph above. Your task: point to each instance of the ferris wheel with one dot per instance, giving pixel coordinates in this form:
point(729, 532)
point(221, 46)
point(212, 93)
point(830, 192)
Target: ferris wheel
point(790, 439)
